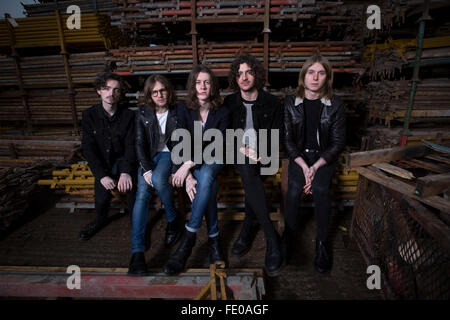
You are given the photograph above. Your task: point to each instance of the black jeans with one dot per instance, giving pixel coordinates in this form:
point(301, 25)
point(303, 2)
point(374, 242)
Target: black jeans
point(321, 194)
point(103, 196)
point(255, 199)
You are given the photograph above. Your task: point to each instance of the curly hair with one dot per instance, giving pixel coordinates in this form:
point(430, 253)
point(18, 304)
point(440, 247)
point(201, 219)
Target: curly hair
point(214, 98)
point(254, 64)
point(103, 77)
point(150, 84)
point(327, 89)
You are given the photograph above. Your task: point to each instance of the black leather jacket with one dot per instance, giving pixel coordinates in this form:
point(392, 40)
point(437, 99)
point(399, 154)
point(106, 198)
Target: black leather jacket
point(147, 135)
point(331, 135)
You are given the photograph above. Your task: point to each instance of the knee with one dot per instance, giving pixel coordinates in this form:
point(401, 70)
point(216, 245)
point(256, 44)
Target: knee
point(143, 192)
point(320, 191)
point(158, 180)
point(294, 189)
point(206, 179)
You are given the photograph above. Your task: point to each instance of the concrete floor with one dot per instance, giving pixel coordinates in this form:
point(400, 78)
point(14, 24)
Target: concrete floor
point(50, 238)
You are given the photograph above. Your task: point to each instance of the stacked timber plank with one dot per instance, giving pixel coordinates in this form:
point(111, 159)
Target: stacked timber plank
point(284, 56)
point(46, 107)
point(43, 32)
point(48, 71)
point(19, 148)
point(17, 186)
point(401, 218)
point(388, 100)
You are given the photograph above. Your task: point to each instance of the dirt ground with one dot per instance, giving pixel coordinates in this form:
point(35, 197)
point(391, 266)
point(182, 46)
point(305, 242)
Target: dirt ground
point(49, 237)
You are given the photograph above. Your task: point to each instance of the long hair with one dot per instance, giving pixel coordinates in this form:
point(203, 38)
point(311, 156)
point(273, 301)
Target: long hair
point(254, 64)
point(150, 84)
point(214, 97)
point(327, 88)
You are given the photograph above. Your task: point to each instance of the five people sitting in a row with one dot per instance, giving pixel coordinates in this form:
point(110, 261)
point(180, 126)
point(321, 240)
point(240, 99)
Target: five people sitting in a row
point(311, 127)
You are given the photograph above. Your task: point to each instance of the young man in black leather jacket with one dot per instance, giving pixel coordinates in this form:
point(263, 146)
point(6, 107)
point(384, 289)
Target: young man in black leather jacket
point(155, 122)
point(314, 123)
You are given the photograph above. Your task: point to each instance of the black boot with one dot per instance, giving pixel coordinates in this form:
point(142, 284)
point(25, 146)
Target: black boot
point(173, 233)
point(322, 261)
point(287, 243)
point(178, 260)
point(92, 228)
point(137, 267)
point(242, 244)
point(274, 261)
point(215, 250)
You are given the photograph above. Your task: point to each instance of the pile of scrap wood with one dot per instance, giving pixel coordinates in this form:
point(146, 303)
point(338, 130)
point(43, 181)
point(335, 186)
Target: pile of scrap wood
point(401, 218)
point(17, 186)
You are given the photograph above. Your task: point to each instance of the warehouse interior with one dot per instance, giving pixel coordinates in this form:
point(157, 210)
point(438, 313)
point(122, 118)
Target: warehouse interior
point(391, 190)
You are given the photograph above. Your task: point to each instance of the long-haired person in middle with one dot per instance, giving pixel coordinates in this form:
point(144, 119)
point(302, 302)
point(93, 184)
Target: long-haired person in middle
point(202, 109)
point(154, 122)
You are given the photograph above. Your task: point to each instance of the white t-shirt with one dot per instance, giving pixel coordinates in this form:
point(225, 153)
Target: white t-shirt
point(162, 120)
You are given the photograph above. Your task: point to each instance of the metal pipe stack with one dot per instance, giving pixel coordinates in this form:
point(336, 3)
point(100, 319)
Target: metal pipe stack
point(86, 6)
point(48, 71)
point(284, 57)
point(43, 32)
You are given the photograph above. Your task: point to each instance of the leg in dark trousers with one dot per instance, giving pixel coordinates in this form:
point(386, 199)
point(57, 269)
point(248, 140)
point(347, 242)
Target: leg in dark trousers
point(102, 202)
point(255, 196)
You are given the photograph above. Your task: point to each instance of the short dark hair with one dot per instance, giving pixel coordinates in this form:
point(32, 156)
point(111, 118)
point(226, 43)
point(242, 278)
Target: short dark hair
point(150, 84)
point(214, 98)
point(103, 77)
point(254, 64)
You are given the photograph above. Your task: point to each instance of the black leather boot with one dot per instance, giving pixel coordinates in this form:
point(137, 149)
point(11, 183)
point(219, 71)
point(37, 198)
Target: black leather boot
point(178, 260)
point(173, 233)
point(274, 261)
point(242, 244)
point(137, 267)
point(322, 261)
point(215, 250)
point(287, 243)
point(92, 228)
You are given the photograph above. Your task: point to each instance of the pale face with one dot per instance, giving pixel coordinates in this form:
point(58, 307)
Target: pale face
point(159, 95)
point(246, 78)
point(315, 77)
point(110, 93)
point(203, 87)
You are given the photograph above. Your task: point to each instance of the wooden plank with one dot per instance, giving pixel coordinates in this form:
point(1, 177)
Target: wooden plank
point(428, 165)
point(435, 227)
point(364, 158)
point(439, 158)
point(402, 173)
point(404, 188)
point(432, 184)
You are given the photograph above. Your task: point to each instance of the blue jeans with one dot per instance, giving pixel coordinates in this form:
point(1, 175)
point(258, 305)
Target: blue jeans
point(205, 201)
point(161, 167)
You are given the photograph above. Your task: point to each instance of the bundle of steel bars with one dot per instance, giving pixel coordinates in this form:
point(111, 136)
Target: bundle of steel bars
point(283, 57)
point(16, 148)
point(388, 100)
point(86, 6)
point(48, 71)
point(46, 106)
point(95, 29)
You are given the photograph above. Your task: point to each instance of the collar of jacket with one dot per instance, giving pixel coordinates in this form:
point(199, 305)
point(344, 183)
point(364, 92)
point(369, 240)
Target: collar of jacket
point(324, 100)
point(102, 113)
point(258, 100)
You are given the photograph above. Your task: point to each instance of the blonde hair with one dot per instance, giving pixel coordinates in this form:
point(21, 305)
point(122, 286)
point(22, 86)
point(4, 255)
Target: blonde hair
point(327, 88)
